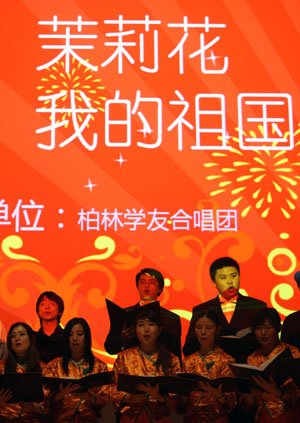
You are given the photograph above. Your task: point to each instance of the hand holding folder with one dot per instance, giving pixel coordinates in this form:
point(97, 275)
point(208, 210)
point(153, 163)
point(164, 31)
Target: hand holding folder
point(25, 387)
point(85, 383)
point(229, 384)
point(272, 367)
point(166, 384)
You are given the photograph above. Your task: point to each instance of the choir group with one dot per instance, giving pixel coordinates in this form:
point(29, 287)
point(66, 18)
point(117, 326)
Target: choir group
point(150, 381)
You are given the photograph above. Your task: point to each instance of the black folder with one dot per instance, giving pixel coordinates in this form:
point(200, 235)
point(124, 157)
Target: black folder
point(166, 384)
point(118, 315)
point(237, 344)
point(230, 384)
point(86, 383)
point(25, 387)
point(272, 367)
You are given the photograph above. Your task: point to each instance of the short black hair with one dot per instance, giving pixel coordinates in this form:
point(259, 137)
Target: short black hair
point(155, 274)
point(53, 297)
point(220, 263)
point(267, 313)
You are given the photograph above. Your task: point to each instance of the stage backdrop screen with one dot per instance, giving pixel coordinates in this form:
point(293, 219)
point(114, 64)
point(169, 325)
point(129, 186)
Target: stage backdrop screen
point(147, 133)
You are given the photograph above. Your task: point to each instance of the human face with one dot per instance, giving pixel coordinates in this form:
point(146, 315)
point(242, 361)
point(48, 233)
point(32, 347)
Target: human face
point(148, 287)
point(206, 332)
point(20, 341)
point(48, 309)
point(266, 335)
point(147, 333)
point(227, 282)
point(76, 340)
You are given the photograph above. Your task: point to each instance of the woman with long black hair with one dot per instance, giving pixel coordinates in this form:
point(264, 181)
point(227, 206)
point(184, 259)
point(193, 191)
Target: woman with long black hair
point(210, 404)
point(77, 361)
point(22, 357)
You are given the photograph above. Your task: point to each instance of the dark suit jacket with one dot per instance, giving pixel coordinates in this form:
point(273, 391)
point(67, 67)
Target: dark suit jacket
point(291, 329)
point(170, 336)
point(245, 310)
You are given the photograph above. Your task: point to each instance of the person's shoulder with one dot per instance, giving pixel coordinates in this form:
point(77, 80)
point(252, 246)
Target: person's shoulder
point(191, 357)
point(100, 364)
point(128, 352)
point(251, 300)
point(39, 332)
point(294, 350)
point(224, 355)
point(59, 332)
point(169, 313)
point(252, 357)
point(43, 365)
point(56, 362)
point(206, 305)
point(173, 357)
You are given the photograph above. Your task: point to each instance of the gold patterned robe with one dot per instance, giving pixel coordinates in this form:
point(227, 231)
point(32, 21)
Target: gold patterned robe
point(269, 407)
point(201, 406)
point(134, 362)
point(24, 412)
point(74, 407)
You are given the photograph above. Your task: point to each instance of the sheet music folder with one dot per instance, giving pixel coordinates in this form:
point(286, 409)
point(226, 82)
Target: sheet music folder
point(91, 381)
point(272, 367)
point(26, 387)
point(118, 315)
point(229, 384)
point(167, 384)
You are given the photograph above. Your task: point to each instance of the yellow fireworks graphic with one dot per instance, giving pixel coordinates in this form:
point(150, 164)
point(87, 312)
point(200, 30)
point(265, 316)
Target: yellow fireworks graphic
point(80, 79)
point(263, 177)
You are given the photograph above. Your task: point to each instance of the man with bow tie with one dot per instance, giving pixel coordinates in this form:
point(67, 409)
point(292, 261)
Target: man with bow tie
point(235, 311)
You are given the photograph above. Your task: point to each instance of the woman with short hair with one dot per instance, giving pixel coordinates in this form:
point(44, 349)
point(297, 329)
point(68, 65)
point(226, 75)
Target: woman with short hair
point(273, 403)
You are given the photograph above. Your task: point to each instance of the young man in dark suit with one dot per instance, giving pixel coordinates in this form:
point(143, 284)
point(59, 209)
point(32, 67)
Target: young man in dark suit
point(235, 311)
point(150, 284)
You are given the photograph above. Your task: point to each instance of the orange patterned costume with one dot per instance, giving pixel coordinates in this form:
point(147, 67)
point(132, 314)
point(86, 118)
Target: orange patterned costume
point(21, 413)
point(74, 407)
point(203, 407)
point(269, 407)
point(134, 362)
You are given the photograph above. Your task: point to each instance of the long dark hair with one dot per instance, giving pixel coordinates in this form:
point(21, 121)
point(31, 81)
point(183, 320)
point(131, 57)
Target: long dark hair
point(33, 359)
point(164, 359)
point(87, 353)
